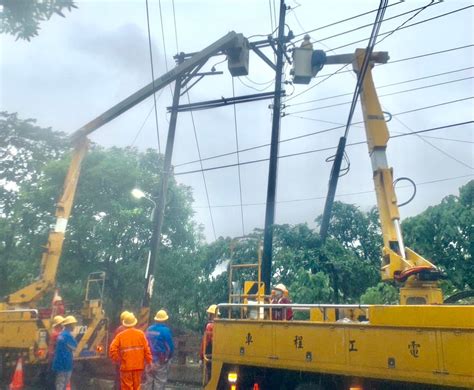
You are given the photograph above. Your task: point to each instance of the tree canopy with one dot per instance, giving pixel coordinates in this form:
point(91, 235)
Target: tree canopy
point(22, 18)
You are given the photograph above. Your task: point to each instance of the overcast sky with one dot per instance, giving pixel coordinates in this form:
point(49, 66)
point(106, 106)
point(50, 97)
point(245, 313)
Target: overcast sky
point(81, 65)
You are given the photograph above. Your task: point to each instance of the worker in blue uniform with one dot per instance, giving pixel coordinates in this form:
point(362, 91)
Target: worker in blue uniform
point(160, 339)
point(65, 347)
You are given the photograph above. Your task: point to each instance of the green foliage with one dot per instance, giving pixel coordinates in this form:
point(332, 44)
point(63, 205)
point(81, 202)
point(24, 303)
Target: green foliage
point(22, 18)
point(443, 234)
point(108, 229)
point(24, 151)
point(382, 294)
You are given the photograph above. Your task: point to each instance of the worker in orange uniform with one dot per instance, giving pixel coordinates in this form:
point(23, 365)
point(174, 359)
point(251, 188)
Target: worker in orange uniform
point(119, 329)
point(280, 296)
point(130, 349)
point(206, 344)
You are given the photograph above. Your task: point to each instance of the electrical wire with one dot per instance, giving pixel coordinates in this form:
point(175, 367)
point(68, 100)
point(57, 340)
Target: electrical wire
point(254, 88)
point(319, 150)
point(152, 76)
point(196, 137)
point(408, 26)
point(175, 27)
point(410, 18)
point(257, 83)
point(387, 94)
point(141, 127)
point(238, 160)
point(202, 170)
point(420, 9)
point(317, 132)
point(434, 181)
point(450, 156)
point(347, 19)
point(383, 86)
point(318, 83)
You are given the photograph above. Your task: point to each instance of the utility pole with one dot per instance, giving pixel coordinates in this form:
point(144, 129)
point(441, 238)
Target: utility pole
point(272, 174)
point(159, 210)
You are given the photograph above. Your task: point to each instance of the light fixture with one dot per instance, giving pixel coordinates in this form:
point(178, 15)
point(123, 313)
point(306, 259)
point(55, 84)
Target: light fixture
point(137, 193)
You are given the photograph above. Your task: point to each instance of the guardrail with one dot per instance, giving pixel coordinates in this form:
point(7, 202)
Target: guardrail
point(264, 311)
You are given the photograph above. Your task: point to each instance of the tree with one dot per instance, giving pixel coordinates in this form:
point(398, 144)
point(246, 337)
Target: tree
point(22, 18)
point(24, 151)
point(443, 234)
point(108, 230)
point(381, 294)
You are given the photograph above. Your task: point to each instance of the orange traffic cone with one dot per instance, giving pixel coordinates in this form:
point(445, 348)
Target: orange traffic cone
point(17, 380)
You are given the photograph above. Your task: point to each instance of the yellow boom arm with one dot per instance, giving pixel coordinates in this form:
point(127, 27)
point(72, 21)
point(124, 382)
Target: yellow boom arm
point(52, 250)
point(397, 259)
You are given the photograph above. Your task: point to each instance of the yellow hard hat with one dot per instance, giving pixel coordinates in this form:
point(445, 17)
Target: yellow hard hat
point(161, 315)
point(57, 320)
point(129, 320)
point(57, 298)
point(69, 320)
point(124, 314)
point(281, 287)
point(212, 309)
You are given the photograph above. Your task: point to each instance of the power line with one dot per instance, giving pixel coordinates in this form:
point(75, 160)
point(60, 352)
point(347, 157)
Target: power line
point(328, 76)
point(383, 86)
point(195, 136)
point(254, 88)
point(420, 9)
point(430, 54)
point(347, 19)
point(450, 156)
point(321, 197)
point(407, 26)
point(163, 36)
point(316, 132)
point(387, 94)
point(238, 160)
point(271, 14)
point(318, 150)
point(152, 76)
point(202, 170)
point(175, 28)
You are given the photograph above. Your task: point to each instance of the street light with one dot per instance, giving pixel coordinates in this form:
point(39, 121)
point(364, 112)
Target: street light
point(139, 194)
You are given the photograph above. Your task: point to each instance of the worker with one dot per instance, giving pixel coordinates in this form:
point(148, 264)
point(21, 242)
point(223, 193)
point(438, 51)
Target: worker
point(130, 349)
point(280, 296)
point(307, 42)
point(48, 376)
point(119, 329)
point(206, 344)
point(58, 305)
point(160, 338)
point(65, 346)
point(57, 328)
